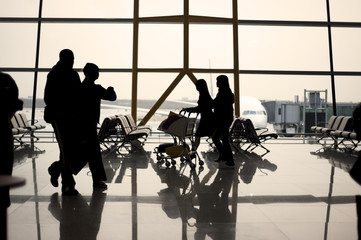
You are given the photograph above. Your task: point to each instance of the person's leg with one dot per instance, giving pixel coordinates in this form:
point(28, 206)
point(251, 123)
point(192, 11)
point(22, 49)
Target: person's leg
point(217, 142)
point(227, 150)
point(95, 161)
point(63, 136)
point(7, 156)
point(54, 171)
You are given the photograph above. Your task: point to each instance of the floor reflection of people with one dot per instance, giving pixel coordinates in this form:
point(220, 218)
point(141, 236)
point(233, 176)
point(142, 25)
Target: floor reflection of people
point(251, 164)
point(78, 219)
point(214, 217)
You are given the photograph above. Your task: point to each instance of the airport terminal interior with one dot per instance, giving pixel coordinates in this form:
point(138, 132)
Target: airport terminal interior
point(301, 59)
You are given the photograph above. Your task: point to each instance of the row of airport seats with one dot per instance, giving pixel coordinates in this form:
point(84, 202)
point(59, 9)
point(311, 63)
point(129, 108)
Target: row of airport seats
point(245, 137)
point(121, 132)
point(21, 127)
point(340, 129)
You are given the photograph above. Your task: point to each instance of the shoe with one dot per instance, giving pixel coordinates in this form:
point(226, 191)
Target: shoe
point(67, 191)
point(100, 184)
point(54, 175)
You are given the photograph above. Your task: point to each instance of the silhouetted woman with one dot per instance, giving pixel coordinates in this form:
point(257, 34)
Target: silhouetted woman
point(9, 104)
point(92, 94)
point(206, 123)
point(223, 113)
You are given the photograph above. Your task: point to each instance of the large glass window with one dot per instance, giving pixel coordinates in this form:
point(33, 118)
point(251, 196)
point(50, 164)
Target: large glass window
point(212, 8)
point(102, 44)
point(104, 38)
point(286, 48)
point(310, 10)
point(347, 49)
point(211, 46)
point(19, 8)
point(17, 44)
point(345, 10)
point(160, 8)
point(160, 45)
point(88, 9)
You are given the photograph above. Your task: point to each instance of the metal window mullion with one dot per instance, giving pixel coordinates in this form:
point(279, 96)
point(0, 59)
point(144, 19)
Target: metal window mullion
point(36, 64)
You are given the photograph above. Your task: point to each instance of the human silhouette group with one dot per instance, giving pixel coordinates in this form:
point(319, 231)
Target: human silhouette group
point(68, 102)
point(216, 118)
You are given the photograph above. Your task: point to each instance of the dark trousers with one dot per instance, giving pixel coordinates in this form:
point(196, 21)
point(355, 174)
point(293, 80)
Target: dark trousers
point(65, 137)
point(221, 141)
point(7, 156)
point(92, 152)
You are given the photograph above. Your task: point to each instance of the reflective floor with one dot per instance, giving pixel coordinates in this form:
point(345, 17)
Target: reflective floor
point(293, 192)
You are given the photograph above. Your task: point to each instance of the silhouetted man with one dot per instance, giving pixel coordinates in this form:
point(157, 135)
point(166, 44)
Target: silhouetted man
point(92, 94)
point(61, 97)
point(223, 114)
point(9, 104)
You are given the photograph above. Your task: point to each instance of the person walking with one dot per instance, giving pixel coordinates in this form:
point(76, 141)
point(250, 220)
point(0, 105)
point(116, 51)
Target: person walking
point(92, 94)
point(61, 96)
point(223, 113)
point(9, 104)
point(206, 124)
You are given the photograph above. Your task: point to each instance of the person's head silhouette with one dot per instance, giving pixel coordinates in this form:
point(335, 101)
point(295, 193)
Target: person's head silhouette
point(222, 81)
point(66, 58)
point(201, 86)
point(91, 71)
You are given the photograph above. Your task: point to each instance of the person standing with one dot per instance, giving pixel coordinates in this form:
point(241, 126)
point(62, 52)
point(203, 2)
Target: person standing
point(204, 107)
point(223, 113)
point(62, 96)
point(9, 104)
point(92, 94)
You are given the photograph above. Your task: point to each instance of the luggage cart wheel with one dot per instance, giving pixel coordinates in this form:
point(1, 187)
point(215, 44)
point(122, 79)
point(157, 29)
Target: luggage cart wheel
point(167, 164)
point(173, 162)
point(201, 163)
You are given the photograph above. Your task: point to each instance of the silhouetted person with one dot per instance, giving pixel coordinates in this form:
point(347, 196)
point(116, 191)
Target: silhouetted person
point(355, 171)
point(61, 97)
point(78, 219)
point(251, 165)
point(92, 94)
point(214, 217)
point(223, 113)
point(9, 104)
point(206, 123)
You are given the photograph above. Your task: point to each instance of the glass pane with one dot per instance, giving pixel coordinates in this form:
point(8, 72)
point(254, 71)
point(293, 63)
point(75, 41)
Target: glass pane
point(310, 10)
point(282, 87)
point(107, 45)
point(153, 85)
point(283, 48)
point(88, 9)
point(346, 49)
point(345, 10)
point(348, 88)
point(160, 45)
point(18, 44)
point(211, 46)
point(29, 8)
point(160, 8)
point(214, 8)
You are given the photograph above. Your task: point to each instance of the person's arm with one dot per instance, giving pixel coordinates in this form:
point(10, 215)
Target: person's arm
point(107, 94)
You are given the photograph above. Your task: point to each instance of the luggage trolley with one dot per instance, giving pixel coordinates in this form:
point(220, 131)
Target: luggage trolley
point(180, 127)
